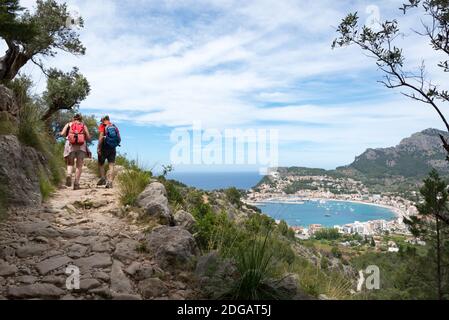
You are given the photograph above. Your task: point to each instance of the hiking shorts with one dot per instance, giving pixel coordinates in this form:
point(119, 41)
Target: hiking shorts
point(79, 155)
point(107, 154)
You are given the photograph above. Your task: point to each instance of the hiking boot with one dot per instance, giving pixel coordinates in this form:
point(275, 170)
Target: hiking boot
point(109, 185)
point(68, 181)
point(76, 186)
point(102, 182)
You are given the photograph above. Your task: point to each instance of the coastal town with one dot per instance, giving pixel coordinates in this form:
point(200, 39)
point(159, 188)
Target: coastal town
point(299, 189)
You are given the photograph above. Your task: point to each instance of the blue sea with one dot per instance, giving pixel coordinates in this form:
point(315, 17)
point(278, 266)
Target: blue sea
point(217, 180)
point(327, 214)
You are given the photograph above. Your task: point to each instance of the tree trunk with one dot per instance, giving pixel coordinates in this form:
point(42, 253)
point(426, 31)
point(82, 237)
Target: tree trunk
point(12, 62)
point(440, 293)
point(48, 114)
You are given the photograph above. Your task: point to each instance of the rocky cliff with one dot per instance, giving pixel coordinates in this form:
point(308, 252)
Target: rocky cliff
point(20, 165)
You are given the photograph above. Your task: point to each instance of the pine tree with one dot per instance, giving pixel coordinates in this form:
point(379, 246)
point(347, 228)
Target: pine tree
point(428, 226)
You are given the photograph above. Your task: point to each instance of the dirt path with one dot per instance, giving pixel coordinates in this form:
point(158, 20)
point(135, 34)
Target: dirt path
point(81, 230)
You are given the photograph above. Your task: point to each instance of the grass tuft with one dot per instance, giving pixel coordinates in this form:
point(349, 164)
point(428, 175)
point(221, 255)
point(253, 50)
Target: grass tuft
point(46, 187)
point(131, 184)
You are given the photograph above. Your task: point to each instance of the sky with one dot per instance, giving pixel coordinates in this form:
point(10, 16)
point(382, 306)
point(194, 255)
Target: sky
point(155, 66)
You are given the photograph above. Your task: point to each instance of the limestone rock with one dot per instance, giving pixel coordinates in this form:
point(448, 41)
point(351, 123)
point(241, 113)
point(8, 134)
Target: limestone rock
point(76, 251)
point(31, 250)
point(152, 288)
point(119, 281)
point(185, 220)
point(126, 250)
point(37, 290)
point(56, 280)
point(39, 228)
point(172, 247)
point(18, 165)
point(51, 264)
point(26, 279)
point(7, 269)
point(9, 108)
point(98, 260)
point(88, 284)
point(155, 203)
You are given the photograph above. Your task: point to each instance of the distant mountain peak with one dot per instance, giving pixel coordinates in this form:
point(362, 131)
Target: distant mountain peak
point(414, 156)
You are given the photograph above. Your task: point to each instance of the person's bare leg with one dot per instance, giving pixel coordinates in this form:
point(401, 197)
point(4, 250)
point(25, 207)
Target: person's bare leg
point(79, 171)
point(111, 175)
point(102, 180)
point(102, 172)
point(111, 172)
point(70, 164)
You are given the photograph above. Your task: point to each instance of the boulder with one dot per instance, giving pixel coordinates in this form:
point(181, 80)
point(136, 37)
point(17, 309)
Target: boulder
point(155, 203)
point(185, 220)
point(172, 246)
point(140, 271)
point(288, 288)
point(152, 288)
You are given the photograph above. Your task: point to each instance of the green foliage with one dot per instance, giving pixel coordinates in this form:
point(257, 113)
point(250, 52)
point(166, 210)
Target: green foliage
point(45, 186)
point(56, 163)
point(11, 27)
point(131, 184)
point(131, 164)
point(173, 193)
point(285, 230)
point(336, 252)
point(234, 196)
point(40, 33)
point(7, 127)
point(65, 91)
point(327, 234)
point(32, 131)
point(428, 225)
point(255, 267)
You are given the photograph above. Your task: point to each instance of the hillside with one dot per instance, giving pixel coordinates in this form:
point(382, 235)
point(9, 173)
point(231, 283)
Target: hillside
point(413, 157)
point(395, 169)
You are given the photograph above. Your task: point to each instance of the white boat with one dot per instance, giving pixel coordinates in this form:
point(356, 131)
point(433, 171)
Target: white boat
point(322, 201)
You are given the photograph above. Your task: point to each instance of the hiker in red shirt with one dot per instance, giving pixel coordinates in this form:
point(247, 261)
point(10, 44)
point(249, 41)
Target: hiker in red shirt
point(107, 143)
point(75, 149)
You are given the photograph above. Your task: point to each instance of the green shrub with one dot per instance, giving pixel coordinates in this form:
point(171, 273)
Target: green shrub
point(45, 186)
point(173, 194)
point(255, 268)
point(234, 196)
point(327, 234)
point(56, 163)
point(7, 127)
point(131, 184)
point(32, 131)
point(122, 160)
point(315, 281)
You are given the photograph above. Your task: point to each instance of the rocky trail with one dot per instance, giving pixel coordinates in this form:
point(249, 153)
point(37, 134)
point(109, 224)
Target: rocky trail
point(83, 230)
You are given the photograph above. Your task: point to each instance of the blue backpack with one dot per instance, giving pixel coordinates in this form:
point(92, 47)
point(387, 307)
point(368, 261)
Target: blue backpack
point(112, 136)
